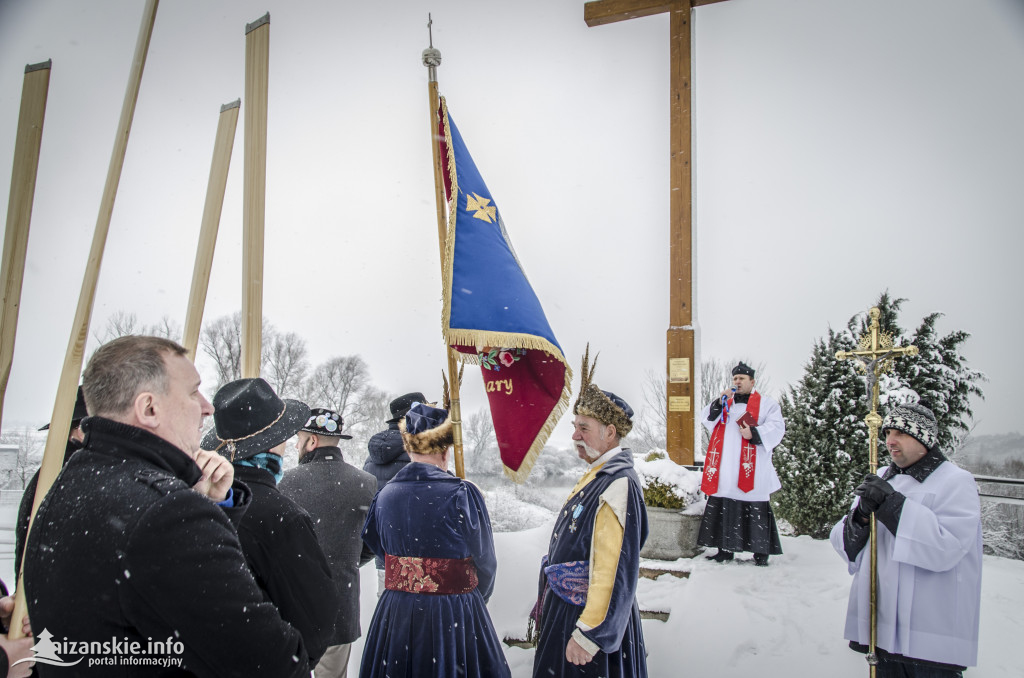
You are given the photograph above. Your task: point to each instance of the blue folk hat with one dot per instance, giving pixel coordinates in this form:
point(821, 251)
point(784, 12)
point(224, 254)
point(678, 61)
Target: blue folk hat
point(426, 429)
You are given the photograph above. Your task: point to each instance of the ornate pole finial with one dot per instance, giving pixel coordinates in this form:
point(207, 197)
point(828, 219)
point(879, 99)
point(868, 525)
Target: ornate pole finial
point(431, 55)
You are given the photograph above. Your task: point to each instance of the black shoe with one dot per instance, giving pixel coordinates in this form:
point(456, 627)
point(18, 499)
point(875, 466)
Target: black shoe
point(721, 557)
point(761, 559)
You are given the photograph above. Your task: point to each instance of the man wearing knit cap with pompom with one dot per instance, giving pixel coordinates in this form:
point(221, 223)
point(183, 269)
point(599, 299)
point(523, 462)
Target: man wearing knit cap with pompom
point(739, 477)
point(928, 536)
point(589, 621)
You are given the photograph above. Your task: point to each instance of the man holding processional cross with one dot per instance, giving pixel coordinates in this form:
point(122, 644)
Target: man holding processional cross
point(929, 551)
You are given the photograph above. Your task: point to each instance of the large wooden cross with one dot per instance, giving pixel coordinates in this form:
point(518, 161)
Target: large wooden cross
point(681, 365)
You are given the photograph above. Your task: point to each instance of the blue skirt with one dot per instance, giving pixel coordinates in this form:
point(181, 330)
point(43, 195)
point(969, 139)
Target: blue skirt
point(414, 635)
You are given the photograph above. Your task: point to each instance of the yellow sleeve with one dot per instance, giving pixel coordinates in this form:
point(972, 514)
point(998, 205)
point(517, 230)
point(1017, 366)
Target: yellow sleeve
point(605, 548)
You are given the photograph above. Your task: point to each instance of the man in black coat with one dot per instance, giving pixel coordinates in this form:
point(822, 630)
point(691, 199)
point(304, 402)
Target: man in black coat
point(252, 428)
point(337, 497)
point(130, 545)
point(387, 455)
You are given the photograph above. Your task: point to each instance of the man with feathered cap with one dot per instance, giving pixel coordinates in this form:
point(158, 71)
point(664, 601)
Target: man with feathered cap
point(589, 621)
point(739, 478)
point(434, 534)
point(336, 495)
point(928, 537)
point(252, 426)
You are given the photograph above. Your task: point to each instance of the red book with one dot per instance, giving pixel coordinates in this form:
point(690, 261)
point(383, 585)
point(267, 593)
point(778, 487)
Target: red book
point(747, 419)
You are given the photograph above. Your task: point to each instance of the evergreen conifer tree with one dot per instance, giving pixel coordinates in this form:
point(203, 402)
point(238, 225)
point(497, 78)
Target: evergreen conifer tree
point(825, 452)
point(825, 448)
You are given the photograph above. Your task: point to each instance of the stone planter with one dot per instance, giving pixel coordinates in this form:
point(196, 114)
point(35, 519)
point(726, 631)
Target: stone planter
point(672, 535)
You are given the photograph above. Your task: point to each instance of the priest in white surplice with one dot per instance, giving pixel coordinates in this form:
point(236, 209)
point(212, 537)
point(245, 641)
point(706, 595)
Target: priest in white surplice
point(929, 554)
point(739, 478)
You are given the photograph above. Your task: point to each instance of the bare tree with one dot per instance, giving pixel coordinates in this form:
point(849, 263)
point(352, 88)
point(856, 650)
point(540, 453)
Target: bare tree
point(650, 427)
point(166, 328)
point(286, 363)
point(221, 340)
point(337, 384)
point(119, 324)
point(124, 323)
point(366, 418)
point(30, 446)
point(478, 440)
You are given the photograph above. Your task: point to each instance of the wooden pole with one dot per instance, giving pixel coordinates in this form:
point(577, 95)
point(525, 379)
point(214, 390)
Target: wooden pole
point(432, 59)
point(67, 388)
point(19, 210)
point(257, 67)
point(222, 146)
point(681, 363)
point(680, 356)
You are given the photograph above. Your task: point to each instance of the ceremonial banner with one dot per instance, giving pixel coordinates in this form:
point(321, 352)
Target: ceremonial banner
point(492, 317)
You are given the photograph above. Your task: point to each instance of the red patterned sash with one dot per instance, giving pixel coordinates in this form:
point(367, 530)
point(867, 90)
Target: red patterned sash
point(748, 453)
point(441, 576)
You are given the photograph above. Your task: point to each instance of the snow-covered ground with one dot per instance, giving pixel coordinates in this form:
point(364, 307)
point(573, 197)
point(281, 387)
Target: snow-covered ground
point(729, 619)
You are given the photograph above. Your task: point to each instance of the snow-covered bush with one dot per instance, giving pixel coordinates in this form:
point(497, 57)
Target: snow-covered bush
point(666, 484)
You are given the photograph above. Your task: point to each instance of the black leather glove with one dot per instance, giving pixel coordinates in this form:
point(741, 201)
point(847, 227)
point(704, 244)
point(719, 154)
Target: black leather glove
point(872, 492)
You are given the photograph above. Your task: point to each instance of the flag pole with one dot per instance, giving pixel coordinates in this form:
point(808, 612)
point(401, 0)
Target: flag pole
point(257, 67)
point(222, 145)
point(432, 59)
point(19, 210)
point(67, 387)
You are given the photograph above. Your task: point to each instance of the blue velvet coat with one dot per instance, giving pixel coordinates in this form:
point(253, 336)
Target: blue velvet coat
point(428, 513)
point(619, 636)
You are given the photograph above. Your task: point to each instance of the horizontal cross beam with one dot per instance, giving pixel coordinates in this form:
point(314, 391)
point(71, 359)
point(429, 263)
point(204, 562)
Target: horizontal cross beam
point(601, 12)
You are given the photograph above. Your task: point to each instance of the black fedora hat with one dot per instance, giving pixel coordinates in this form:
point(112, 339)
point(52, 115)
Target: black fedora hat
point(324, 422)
point(250, 418)
point(400, 405)
point(77, 415)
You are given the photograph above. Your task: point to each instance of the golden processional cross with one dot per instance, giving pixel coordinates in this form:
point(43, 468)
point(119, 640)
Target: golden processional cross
point(875, 356)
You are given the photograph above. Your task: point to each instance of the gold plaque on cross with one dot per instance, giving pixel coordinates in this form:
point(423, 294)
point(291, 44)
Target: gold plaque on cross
point(679, 371)
point(678, 403)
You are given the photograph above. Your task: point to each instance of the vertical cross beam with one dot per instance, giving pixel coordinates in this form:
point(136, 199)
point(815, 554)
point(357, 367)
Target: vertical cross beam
point(679, 346)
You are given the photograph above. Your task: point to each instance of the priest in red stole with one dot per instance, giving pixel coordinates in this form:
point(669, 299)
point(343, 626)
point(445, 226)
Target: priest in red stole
point(739, 478)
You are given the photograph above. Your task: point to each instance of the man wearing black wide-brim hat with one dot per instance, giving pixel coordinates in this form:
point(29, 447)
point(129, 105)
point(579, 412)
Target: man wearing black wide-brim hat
point(252, 428)
point(739, 478)
point(337, 496)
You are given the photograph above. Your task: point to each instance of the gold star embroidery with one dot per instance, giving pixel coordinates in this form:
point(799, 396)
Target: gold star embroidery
point(481, 208)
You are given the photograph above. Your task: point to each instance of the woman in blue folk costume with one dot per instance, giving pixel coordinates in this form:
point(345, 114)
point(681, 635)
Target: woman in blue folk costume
point(589, 621)
point(434, 535)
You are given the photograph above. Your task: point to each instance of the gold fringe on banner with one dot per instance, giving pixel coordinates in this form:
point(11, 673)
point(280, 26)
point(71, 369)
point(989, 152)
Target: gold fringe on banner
point(482, 338)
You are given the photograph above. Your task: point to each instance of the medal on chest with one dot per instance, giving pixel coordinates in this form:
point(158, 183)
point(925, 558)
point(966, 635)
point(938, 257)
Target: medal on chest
point(576, 511)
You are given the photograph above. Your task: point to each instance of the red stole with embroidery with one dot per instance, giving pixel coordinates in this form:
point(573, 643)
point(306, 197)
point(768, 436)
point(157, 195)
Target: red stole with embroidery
point(748, 452)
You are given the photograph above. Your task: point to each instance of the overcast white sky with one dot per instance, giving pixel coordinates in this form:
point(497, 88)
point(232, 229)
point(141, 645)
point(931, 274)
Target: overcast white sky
point(840, 149)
